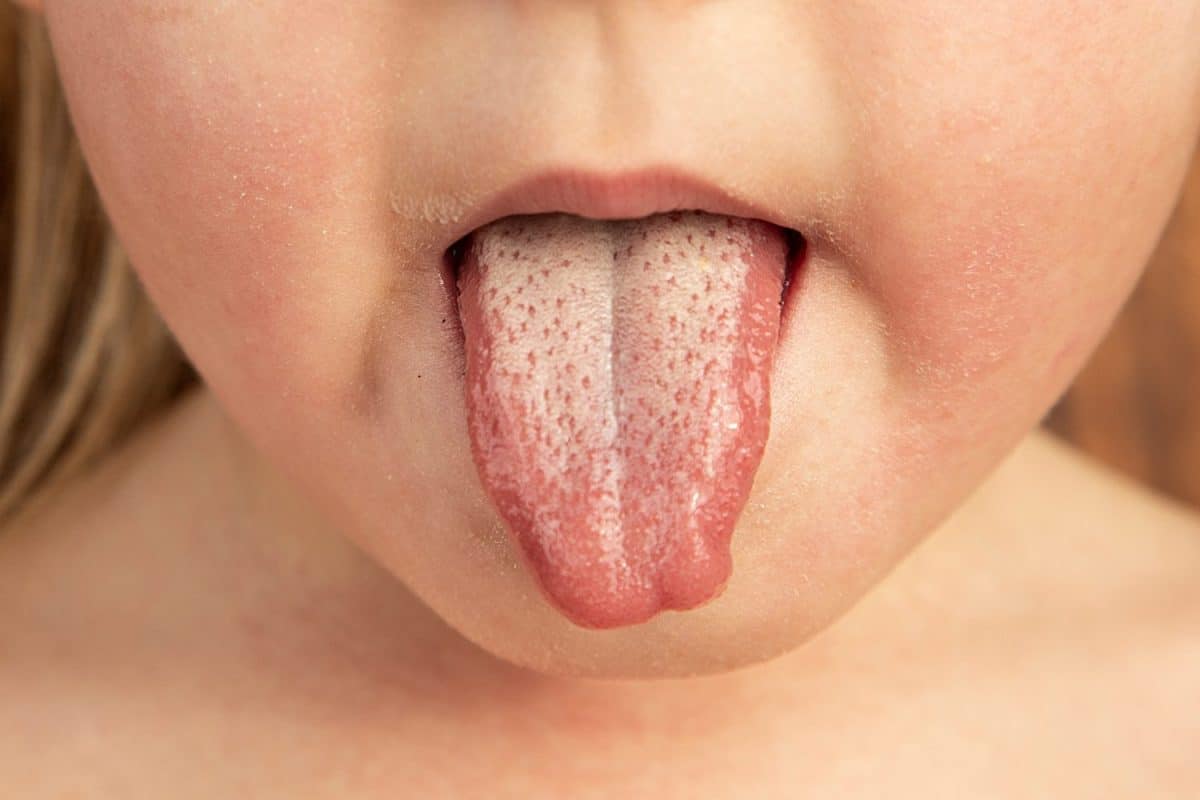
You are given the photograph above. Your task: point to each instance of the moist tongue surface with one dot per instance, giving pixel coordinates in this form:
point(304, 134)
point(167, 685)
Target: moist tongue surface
point(618, 377)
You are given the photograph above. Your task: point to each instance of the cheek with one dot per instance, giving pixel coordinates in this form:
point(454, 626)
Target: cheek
point(1000, 213)
point(1007, 209)
point(244, 181)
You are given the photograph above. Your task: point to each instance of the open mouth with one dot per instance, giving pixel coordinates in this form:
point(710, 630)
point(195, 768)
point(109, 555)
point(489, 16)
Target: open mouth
point(794, 259)
point(618, 373)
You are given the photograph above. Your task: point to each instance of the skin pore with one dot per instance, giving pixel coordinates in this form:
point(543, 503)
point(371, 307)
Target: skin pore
point(296, 580)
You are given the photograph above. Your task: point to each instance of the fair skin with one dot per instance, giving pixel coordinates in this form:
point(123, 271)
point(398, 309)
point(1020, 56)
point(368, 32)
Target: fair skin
point(294, 584)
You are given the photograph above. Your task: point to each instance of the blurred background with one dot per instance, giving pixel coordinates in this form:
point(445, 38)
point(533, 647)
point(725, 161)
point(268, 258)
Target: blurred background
point(1136, 405)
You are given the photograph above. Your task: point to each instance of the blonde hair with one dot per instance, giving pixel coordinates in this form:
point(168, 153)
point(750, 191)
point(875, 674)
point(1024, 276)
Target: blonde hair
point(84, 358)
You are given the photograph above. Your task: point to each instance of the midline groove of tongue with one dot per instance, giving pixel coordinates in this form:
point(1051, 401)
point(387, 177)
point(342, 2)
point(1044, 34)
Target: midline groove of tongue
point(618, 385)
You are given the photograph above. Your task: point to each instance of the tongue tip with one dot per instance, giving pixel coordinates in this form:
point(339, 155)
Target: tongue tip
point(592, 602)
point(627, 610)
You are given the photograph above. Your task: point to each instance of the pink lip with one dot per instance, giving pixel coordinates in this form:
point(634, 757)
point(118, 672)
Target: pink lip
point(617, 195)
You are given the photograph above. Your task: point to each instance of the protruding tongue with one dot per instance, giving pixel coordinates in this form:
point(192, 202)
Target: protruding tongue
point(618, 377)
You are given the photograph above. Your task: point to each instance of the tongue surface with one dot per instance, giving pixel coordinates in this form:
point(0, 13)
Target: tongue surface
point(618, 377)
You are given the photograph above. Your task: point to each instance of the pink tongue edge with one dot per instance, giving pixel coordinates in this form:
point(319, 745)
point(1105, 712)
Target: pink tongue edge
point(540, 464)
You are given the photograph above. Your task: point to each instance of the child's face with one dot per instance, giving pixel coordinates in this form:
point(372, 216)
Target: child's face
point(979, 185)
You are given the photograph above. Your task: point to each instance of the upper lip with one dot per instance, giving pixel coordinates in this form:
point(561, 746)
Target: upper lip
point(609, 195)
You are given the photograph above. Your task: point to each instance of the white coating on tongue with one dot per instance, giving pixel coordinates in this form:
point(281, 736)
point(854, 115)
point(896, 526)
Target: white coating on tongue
point(618, 395)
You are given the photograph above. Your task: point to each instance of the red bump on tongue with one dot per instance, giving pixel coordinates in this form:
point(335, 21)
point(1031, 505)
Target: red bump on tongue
point(618, 377)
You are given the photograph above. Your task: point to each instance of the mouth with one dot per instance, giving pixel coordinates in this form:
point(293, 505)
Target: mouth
point(624, 195)
point(619, 334)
